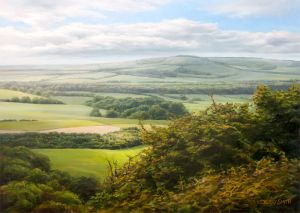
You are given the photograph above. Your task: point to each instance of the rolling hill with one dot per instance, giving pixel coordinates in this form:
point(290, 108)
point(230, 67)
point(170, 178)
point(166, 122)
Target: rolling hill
point(180, 69)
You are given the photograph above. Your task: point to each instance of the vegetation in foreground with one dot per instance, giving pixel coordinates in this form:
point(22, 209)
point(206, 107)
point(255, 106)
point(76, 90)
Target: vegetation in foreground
point(35, 100)
point(128, 137)
point(150, 108)
point(88, 162)
point(229, 158)
point(28, 184)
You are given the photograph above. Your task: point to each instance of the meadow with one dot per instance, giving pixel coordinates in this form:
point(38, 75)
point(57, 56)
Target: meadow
point(87, 162)
point(74, 113)
point(182, 68)
point(178, 156)
point(229, 79)
point(6, 94)
point(37, 117)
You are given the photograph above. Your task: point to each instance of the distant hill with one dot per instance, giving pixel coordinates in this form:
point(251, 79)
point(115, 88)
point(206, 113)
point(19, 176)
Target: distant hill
point(180, 68)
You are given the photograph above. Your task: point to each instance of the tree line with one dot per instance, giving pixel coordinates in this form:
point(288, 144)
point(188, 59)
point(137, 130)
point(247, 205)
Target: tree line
point(29, 184)
point(125, 138)
point(229, 158)
point(246, 87)
point(150, 108)
point(34, 100)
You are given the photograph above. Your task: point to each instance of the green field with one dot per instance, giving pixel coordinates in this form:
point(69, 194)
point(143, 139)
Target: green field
point(198, 102)
point(188, 69)
point(6, 94)
point(23, 125)
point(35, 117)
point(49, 116)
point(149, 77)
point(73, 100)
point(121, 95)
point(43, 111)
point(177, 74)
point(88, 162)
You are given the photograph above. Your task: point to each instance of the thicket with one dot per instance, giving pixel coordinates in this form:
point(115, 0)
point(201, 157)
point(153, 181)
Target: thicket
point(126, 138)
point(34, 100)
point(138, 108)
point(151, 87)
point(28, 184)
point(230, 158)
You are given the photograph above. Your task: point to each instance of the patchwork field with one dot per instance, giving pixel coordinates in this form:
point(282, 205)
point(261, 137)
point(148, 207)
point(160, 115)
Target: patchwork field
point(87, 162)
point(73, 114)
point(86, 129)
point(180, 68)
point(74, 85)
point(37, 117)
point(6, 94)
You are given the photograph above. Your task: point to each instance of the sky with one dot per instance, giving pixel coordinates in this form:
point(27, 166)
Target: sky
point(95, 31)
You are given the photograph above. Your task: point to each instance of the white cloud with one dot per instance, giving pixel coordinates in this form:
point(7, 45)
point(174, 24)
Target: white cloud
point(243, 8)
point(171, 37)
point(45, 13)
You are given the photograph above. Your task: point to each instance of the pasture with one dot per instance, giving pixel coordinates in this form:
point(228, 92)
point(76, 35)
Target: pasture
point(38, 117)
point(87, 162)
point(188, 69)
point(6, 94)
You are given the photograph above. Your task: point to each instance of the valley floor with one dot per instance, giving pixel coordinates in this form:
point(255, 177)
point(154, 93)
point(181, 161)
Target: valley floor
point(87, 162)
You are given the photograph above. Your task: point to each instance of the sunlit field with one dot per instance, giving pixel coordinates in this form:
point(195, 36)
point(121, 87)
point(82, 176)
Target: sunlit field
point(88, 162)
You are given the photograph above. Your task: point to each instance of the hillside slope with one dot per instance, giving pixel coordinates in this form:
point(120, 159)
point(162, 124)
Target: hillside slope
point(182, 68)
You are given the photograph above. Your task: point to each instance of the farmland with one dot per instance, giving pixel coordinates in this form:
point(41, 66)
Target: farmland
point(69, 143)
point(5, 94)
point(36, 117)
point(88, 162)
point(148, 106)
point(180, 69)
point(74, 113)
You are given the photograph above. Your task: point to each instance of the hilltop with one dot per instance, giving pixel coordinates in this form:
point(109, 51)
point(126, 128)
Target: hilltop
point(180, 69)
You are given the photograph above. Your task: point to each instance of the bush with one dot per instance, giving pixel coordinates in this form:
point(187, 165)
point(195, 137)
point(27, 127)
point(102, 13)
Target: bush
point(230, 158)
point(139, 108)
point(95, 112)
point(112, 114)
point(26, 188)
point(34, 100)
point(115, 140)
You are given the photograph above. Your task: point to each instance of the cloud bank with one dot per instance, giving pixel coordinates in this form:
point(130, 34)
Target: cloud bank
point(244, 8)
point(40, 31)
point(44, 13)
point(169, 37)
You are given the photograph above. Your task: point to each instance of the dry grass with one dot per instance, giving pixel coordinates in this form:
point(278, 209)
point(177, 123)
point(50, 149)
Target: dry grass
point(86, 129)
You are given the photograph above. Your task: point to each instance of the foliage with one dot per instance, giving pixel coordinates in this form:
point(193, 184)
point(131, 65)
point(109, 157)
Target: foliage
point(255, 187)
point(142, 88)
point(34, 100)
point(85, 187)
point(139, 108)
point(228, 158)
point(125, 138)
point(88, 162)
point(95, 112)
point(28, 186)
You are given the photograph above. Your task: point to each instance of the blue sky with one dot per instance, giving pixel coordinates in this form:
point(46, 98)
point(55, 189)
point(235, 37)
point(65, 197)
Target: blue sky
point(80, 31)
point(289, 20)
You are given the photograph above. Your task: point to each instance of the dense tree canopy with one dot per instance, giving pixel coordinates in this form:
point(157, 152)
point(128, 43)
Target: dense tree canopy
point(29, 185)
point(35, 100)
point(125, 138)
point(228, 158)
point(139, 108)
